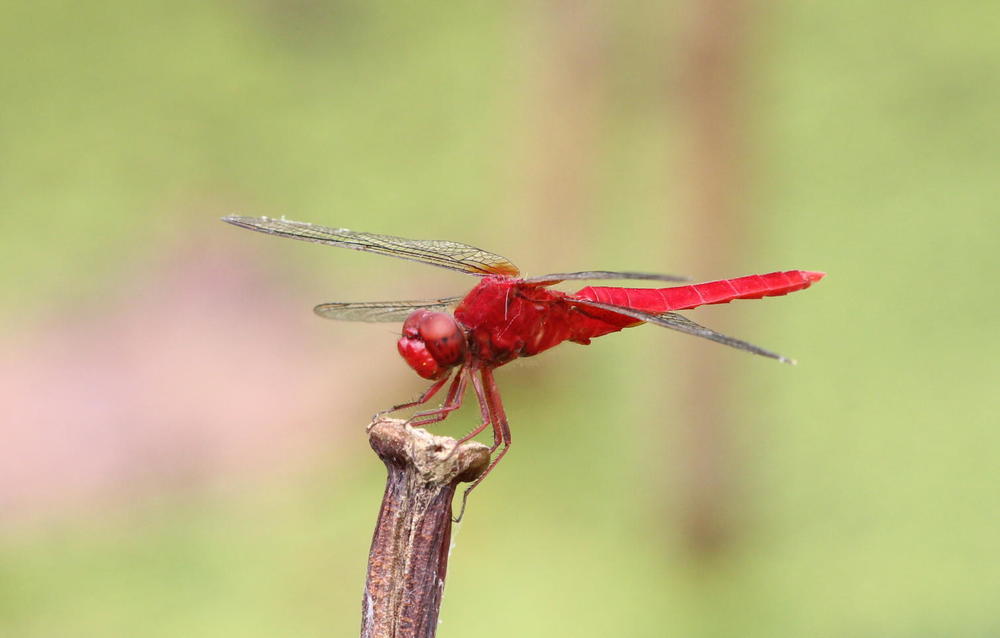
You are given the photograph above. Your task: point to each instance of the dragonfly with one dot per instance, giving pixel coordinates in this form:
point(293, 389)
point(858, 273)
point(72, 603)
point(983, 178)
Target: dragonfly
point(506, 316)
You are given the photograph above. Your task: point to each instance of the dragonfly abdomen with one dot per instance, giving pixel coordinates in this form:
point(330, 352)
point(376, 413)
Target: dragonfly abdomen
point(714, 292)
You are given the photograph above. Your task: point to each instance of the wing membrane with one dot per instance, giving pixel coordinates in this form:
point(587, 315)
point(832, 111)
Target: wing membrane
point(381, 311)
point(602, 274)
point(444, 254)
point(680, 323)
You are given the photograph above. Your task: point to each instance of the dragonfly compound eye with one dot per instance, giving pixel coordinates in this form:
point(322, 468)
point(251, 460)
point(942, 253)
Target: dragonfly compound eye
point(431, 343)
point(443, 337)
point(411, 327)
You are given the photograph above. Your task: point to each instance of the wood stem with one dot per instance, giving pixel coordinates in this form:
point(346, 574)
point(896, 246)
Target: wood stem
point(408, 560)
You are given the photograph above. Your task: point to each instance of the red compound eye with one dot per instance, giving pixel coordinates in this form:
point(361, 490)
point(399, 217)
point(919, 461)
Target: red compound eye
point(443, 338)
point(432, 343)
point(411, 327)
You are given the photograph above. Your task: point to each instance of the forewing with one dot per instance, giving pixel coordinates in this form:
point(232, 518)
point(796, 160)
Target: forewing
point(555, 278)
point(680, 323)
point(381, 311)
point(444, 254)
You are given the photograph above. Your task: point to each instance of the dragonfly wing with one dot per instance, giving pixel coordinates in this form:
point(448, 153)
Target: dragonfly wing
point(680, 323)
point(555, 278)
point(381, 311)
point(444, 254)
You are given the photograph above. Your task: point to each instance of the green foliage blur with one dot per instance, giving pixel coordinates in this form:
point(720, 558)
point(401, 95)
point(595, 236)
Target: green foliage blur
point(868, 489)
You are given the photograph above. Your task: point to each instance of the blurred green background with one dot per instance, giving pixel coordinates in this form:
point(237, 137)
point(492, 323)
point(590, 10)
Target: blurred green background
point(183, 450)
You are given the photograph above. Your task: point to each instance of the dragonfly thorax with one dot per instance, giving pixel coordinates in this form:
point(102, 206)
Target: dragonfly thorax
point(432, 343)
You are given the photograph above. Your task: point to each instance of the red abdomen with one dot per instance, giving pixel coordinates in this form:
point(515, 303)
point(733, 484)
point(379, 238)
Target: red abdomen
point(687, 297)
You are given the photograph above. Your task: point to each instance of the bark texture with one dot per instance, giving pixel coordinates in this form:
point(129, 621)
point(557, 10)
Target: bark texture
point(408, 560)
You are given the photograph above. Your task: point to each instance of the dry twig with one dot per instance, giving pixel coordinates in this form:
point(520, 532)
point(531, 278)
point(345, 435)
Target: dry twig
point(409, 553)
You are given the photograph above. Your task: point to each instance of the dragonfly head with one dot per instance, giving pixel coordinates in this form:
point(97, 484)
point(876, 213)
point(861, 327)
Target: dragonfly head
point(432, 343)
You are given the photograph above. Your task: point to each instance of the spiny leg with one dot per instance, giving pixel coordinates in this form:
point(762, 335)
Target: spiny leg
point(423, 398)
point(501, 430)
point(484, 412)
point(451, 403)
point(501, 433)
point(486, 405)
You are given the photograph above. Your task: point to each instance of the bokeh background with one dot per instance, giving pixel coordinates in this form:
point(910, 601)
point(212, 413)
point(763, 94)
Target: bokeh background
point(182, 446)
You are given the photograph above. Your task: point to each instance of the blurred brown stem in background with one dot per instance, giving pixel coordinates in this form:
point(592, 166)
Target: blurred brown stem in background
point(572, 79)
point(567, 97)
point(408, 560)
point(713, 52)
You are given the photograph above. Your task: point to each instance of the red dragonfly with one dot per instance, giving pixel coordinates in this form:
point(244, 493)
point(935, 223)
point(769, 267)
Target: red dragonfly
point(505, 317)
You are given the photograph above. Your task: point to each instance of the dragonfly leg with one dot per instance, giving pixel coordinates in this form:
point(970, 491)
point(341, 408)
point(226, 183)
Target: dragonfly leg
point(484, 411)
point(501, 433)
point(423, 398)
point(451, 403)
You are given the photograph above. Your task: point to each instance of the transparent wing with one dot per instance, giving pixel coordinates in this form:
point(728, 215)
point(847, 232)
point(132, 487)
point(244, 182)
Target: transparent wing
point(377, 311)
point(677, 322)
point(444, 254)
point(555, 278)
